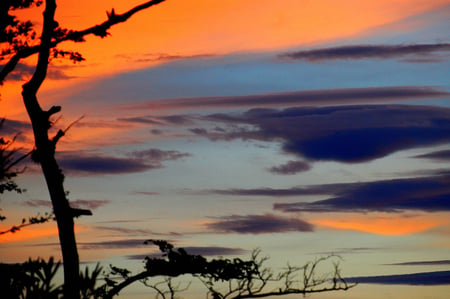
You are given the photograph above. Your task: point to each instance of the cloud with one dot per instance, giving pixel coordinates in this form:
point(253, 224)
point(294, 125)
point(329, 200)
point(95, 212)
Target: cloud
point(23, 72)
point(204, 251)
point(290, 168)
point(142, 120)
point(146, 193)
point(135, 231)
point(259, 224)
point(138, 161)
point(11, 127)
point(422, 263)
point(117, 244)
point(156, 132)
point(297, 98)
point(156, 155)
point(443, 155)
point(414, 52)
point(425, 278)
point(163, 57)
point(294, 191)
point(349, 134)
point(429, 194)
point(97, 164)
point(79, 203)
point(199, 131)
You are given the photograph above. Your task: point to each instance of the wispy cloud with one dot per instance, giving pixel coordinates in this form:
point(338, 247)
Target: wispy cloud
point(298, 98)
point(11, 127)
point(78, 203)
point(422, 263)
point(155, 155)
point(24, 71)
point(97, 164)
point(426, 52)
point(290, 168)
point(259, 224)
point(135, 231)
point(443, 155)
point(425, 278)
point(162, 57)
point(430, 194)
point(116, 244)
point(137, 161)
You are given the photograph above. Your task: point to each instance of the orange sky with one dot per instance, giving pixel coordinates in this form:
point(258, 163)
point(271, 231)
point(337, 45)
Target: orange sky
point(387, 224)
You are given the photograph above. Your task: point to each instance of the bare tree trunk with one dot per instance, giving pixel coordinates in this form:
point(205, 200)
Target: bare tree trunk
point(45, 155)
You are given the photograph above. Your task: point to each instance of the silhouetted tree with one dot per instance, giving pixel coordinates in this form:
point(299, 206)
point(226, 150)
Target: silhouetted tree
point(223, 278)
point(228, 278)
point(20, 37)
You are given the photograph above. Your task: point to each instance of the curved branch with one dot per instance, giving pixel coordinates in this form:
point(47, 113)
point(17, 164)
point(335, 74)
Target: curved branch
point(77, 36)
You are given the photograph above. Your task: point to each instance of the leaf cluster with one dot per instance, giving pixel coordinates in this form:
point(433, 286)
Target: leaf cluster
point(18, 34)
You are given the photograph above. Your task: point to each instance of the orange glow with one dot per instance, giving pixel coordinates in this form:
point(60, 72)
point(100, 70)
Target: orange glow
point(29, 234)
point(32, 233)
point(384, 224)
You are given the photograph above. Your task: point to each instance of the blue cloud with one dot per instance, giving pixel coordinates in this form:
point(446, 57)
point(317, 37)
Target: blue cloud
point(348, 134)
point(429, 194)
point(425, 278)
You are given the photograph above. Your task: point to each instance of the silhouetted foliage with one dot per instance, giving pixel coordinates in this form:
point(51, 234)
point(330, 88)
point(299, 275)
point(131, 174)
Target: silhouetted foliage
point(228, 278)
point(223, 278)
point(32, 279)
point(8, 160)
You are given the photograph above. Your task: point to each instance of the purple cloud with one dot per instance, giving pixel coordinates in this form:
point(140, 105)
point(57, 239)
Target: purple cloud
point(138, 161)
point(290, 168)
point(424, 51)
point(259, 224)
point(97, 164)
point(23, 72)
point(350, 134)
point(443, 155)
point(135, 231)
point(79, 203)
point(429, 194)
point(116, 244)
point(320, 97)
point(155, 155)
point(425, 278)
point(422, 263)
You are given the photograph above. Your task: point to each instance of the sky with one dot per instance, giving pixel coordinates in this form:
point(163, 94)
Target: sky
point(303, 128)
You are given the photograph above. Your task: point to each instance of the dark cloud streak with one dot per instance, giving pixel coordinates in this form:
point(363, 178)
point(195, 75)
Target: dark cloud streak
point(259, 224)
point(423, 51)
point(290, 168)
point(428, 194)
point(424, 278)
point(321, 97)
point(137, 161)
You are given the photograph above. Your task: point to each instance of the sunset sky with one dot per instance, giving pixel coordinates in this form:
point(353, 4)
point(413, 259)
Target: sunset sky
point(301, 127)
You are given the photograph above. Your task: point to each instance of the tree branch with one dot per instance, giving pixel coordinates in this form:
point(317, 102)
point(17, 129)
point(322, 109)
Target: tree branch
point(76, 36)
